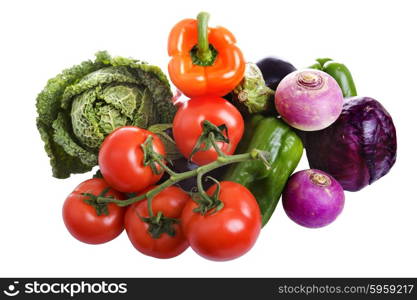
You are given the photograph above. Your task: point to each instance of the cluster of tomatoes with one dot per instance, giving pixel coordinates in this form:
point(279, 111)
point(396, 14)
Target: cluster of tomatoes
point(162, 220)
point(173, 221)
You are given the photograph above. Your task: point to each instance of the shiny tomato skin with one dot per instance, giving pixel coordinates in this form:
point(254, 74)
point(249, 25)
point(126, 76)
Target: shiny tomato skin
point(82, 220)
point(121, 159)
point(170, 202)
point(187, 126)
point(229, 232)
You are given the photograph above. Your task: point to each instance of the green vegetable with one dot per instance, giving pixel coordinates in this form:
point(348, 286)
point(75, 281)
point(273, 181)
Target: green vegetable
point(272, 135)
point(79, 107)
point(252, 95)
point(340, 73)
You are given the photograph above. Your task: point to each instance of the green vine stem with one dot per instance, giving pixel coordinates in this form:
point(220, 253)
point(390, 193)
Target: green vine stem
point(222, 160)
point(211, 134)
point(213, 142)
point(201, 191)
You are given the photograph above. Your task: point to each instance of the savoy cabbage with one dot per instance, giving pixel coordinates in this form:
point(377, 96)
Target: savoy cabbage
point(83, 104)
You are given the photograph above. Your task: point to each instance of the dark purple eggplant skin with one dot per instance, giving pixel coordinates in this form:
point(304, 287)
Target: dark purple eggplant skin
point(359, 148)
point(274, 70)
point(183, 165)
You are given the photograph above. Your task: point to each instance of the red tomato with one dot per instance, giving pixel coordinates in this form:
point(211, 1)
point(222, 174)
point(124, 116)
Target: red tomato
point(121, 159)
point(81, 219)
point(170, 202)
point(187, 126)
point(229, 232)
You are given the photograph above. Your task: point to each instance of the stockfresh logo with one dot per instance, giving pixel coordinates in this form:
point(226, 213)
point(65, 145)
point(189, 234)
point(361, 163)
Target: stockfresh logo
point(65, 288)
point(12, 290)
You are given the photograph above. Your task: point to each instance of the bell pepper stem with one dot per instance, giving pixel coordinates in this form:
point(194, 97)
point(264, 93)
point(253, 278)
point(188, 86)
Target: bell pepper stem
point(203, 52)
point(322, 61)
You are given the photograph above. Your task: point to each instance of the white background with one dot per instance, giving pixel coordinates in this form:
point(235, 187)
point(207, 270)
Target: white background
point(374, 236)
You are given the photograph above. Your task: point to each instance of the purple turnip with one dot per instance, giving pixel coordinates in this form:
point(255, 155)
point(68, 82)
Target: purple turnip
point(313, 198)
point(309, 99)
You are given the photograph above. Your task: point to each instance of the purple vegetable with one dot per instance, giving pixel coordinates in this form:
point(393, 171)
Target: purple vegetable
point(313, 198)
point(309, 99)
point(359, 148)
point(274, 70)
point(183, 165)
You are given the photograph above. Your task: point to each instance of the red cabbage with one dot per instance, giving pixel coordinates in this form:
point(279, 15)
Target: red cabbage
point(359, 148)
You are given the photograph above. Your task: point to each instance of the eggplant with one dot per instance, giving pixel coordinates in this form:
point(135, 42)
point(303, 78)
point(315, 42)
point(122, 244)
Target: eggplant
point(182, 164)
point(357, 149)
point(274, 70)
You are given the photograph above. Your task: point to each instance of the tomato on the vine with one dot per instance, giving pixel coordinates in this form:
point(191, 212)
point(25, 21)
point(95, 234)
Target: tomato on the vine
point(121, 159)
point(227, 233)
point(83, 220)
point(170, 202)
point(187, 126)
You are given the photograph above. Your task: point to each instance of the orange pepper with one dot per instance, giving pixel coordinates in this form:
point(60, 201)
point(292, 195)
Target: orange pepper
point(204, 60)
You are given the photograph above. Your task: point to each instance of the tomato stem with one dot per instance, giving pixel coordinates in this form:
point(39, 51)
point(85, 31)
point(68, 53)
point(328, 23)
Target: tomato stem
point(151, 158)
point(149, 204)
point(200, 171)
point(209, 136)
point(214, 144)
point(158, 216)
point(201, 190)
point(206, 203)
point(164, 166)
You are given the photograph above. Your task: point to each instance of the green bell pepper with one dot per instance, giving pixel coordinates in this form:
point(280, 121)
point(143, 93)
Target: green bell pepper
point(340, 73)
point(276, 137)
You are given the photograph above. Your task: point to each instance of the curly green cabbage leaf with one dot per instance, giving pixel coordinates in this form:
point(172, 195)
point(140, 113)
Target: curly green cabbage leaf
point(79, 107)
